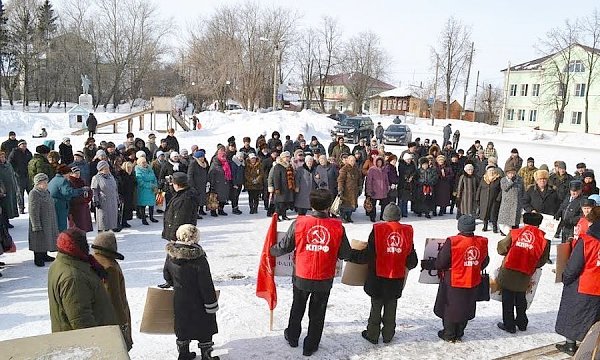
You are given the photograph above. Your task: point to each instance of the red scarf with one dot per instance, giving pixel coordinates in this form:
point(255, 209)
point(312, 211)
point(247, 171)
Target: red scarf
point(225, 165)
point(67, 246)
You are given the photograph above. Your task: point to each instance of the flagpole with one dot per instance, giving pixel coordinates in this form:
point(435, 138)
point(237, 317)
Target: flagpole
point(271, 320)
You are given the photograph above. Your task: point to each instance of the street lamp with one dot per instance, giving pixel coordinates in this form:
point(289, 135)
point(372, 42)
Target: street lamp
point(276, 55)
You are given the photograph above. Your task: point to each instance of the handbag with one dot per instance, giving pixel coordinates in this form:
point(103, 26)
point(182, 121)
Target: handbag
point(483, 289)
point(368, 204)
point(335, 206)
point(212, 201)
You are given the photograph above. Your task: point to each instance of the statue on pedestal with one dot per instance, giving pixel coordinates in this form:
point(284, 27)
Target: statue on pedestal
point(85, 84)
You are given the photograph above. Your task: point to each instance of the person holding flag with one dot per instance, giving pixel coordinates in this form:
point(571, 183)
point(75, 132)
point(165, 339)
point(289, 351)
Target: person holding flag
point(390, 253)
point(318, 242)
point(525, 249)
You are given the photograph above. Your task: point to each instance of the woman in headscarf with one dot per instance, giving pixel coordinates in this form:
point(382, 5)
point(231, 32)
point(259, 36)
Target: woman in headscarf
point(79, 209)
point(489, 196)
point(219, 177)
point(43, 226)
point(304, 185)
point(62, 192)
point(106, 198)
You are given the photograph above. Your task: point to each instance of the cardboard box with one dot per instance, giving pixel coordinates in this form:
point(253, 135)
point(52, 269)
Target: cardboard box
point(97, 343)
point(563, 252)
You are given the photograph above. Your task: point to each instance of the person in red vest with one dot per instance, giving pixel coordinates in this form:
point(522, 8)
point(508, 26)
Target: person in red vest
point(525, 249)
point(318, 241)
point(584, 224)
point(459, 263)
point(580, 301)
point(390, 253)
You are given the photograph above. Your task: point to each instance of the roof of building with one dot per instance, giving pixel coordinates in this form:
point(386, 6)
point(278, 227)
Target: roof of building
point(397, 92)
point(537, 63)
point(345, 79)
point(78, 109)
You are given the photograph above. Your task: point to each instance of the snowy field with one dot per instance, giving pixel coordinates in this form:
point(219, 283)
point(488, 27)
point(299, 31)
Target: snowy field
point(234, 243)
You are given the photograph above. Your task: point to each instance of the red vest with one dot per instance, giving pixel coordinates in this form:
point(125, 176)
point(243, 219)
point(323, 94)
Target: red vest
point(527, 248)
point(589, 280)
point(468, 254)
point(393, 244)
point(580, 229)
point(318, 241)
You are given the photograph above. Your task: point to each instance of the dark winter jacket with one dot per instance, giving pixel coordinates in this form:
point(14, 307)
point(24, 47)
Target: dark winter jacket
point(544, 202)
point(8, 145)
point(172, 143)
point(140, 145)
point(445, 185)
point(237, 172)
point(66, 153)
point(281, 188)
point(126, 184)
point(19, 160)
point(569, 214)
point(39, 164)
point(515, 280)
point(89, 153)
point(424, 197)
point(560, 184)
point(407, 174)
point(489, 196)
point(466, 194)
point(182, 209)
point(195, 300)
point(218, 184)
point(91, 123)
point(197, 179)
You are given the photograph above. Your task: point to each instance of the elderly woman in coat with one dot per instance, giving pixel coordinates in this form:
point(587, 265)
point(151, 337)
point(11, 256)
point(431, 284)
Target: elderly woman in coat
point(378, 186)
point(43, 226)
point(580, 302)
point(253, 181)
point(62, 192)
point(445, 185)
point(304, 185)
point(511, 204)
point(219, 177)
point(283, 184)
point(8, 177)
point(105, 252)
point(349, 181)
point(79, 207)
point(106, 198)
point(325, 175)
point(198, 177)
point(126, 184)
point(196, 303)
point(488, 197)
point(466, 189)
point(147, 185)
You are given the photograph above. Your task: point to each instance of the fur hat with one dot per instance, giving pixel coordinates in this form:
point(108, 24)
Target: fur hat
point(407, 156)
point(440, 158)
point(141, 161)
point(42, 149)
point(587, 202)
point(530, 159)
point(581, 165)
point(298, 152)
point(285, 154)
point(106, 244)
point(469, 167)
point(466, 224)
point(180, 178)
point(173, 154)
point(102, 164)
point(540, 174)
point(575, 185)
point(38, 178)
point(140, 154)
point(534, 219)
point(509, 167)
point(423, 160)
point(391, 212)
point(72, 240)
point(589, 174)
point(187, 234)
point(63, 169)
point(561, 165)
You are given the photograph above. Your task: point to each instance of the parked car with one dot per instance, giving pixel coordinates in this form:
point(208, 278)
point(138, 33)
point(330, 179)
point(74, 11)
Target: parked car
point(354, 128)
point(397, 134)
point(338, 117)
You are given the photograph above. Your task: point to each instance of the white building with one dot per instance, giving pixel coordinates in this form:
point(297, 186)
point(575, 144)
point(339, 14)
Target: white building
point(534, 91)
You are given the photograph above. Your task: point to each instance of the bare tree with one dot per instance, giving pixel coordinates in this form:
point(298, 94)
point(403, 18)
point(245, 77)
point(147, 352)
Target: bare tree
point(306, 62)
point(453, 52)
point(490, 101)
point(327, 56)
point(590, 31)
point(365, 62)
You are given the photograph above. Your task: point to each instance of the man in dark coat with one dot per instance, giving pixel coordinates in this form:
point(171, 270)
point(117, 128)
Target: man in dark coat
point(540, 197)
point(560, 180)
point(65, 150)
point(447, 134)
point(172, 143)
point(91, 123)
point(140, 145)
point(274, 141)
point(407, 173)
point(569, 211)
point(317, 278)
point(182, 209)
point(19, 158)
point(8, 145)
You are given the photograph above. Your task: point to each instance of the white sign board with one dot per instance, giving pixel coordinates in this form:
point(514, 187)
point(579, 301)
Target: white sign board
point(549, 226)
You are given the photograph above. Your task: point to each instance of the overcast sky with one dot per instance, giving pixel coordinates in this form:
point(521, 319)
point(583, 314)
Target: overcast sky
point(505, 30)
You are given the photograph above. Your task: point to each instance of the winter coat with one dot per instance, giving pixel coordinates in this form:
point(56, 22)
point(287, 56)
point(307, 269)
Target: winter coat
point(77, 298)
point(62, 192)
point(182, 209)
point(20, 160)
point(152, 147)
point(146, 186)
point(447, 134)
point(490, 152)
point(195, 300)
point(379, 132)
point(89, 153)
point(115, 287)
point(577, 312)
point(39, 164)
point(515, 280)
point(466, 192)
point(560, 184)
point(9, 201)
point(218, 184)
point(337, 152)
point(489, 196)
point(480, 166)
point(407, 174)
point(237, 172)
point(526, 173)
point(140, 145)
point(79, 207)
point(43, 226)
point(511, 204)
point(453, 304)
point(425, 179)
point(172, 143)
point(126, 185)
point(8, 145)
point(66, 153)
point(325, 177)
point(544, 202)
point(197, 179)
point(444, 187)
point(514, 162)
point(91, 123)
point(349, 181)
point(378, 184)
point(569, 214)
point(106, 196)
point(382, 288)
point(281, 188)
point(84, 171)
point(304, 184)
point(254, 175)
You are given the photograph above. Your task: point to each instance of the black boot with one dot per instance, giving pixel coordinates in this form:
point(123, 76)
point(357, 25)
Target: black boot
point(221, 212)
point(38, 258)
point(429, 216)
point(568, 348)
point(485, 226)
point(237, 211)
point(213, 213)
point(151, 213)
point(451, 209)
point(47, 258)
point(184, 351)
point(201, 211)
point(494, 227)
point(125, 224)
point(206, 353)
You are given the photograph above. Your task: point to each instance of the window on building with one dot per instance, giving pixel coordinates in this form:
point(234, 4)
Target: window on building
point(533, 115)
point(394, 104)
point(521, 115)
point(510, 114)
point(524, 88)
point(580, 90)
point(535, 90)
point(384, 105)
point(576, 117)
point(405, 105)
point(575, 66)
point(513, 90)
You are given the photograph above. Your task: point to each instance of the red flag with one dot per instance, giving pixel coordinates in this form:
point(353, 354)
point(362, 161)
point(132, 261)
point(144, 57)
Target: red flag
point(265, 281)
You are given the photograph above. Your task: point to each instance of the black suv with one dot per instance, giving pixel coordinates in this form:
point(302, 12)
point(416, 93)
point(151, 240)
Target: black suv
point(353, 129)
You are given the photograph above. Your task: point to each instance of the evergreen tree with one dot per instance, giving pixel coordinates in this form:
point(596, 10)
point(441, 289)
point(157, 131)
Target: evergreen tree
point(44, 33)
point(3, 45)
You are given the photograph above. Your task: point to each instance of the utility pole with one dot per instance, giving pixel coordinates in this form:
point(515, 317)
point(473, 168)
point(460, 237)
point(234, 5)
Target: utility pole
point(275, 75)
point(435, 84)
point(475, 102)
point(506, 85)
point(464, 104)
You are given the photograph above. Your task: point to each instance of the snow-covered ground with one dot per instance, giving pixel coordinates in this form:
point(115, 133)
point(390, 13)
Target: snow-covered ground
point(234, 243)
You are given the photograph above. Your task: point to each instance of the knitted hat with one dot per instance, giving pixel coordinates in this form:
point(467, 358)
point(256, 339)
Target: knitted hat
point(121, 147)
point(72, 241)
point(187, 234)
point(65, 139)
point(469, 167)
point(22, 142)
point(575, 185)
point(180, 178)
point(75, 169)
point(534, 219)
point(173, 154)
point(184, 152)
point(101, 165)
point(541, 174)
point(42, 149)
point(38, 178)
point(78, 153)
point(100, 153)
point(159, 153)
point(392, 212)
point(466, 224)
point(12, 133)
point(140, 154)
point(106, 243)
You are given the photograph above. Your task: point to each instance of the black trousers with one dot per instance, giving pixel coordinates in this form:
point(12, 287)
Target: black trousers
point(253, 196)
point(453, 330)
point(316, 316)
point(234, 195)
point(510, 301)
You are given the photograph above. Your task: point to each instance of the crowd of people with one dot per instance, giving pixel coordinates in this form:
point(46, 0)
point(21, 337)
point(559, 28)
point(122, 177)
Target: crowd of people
point(119, 182)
